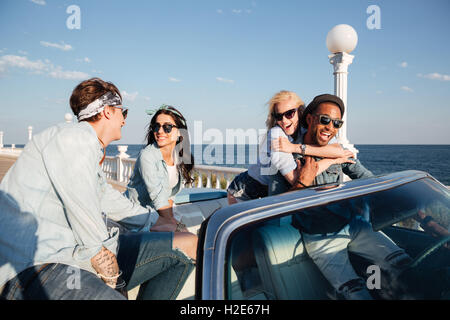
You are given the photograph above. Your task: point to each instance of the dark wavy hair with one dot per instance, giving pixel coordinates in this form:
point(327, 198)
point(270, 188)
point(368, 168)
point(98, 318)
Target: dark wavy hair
point(183, 145)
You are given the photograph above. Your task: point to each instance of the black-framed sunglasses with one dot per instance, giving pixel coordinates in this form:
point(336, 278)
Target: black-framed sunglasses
point(288, 114)
point(325, 120)
point(124, 111)
point(167, 127)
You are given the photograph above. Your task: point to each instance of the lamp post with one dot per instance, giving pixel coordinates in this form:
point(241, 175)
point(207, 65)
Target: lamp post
point(68, 118)
point(341, 40)
point(30, 132)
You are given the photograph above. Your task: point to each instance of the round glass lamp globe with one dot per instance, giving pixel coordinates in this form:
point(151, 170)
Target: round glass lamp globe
point(68, 117)
point(342, 38)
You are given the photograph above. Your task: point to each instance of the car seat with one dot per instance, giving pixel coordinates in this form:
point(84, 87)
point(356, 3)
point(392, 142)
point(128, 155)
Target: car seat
point(286, 271)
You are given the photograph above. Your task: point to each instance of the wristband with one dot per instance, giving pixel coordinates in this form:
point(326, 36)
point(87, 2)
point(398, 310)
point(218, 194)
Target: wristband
point(299, 181)
point(109, 278)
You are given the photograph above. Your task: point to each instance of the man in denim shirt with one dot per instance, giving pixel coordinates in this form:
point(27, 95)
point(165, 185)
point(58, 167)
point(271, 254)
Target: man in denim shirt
point(323, 118)
point(55, 242)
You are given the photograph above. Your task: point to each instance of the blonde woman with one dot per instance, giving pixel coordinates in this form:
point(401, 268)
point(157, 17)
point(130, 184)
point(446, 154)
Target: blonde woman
point(284, 135)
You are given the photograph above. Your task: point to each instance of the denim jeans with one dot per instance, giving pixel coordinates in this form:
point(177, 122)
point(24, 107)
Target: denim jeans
point(146, 259)
point(244, 187)
point(330, 252)
point(278, 184)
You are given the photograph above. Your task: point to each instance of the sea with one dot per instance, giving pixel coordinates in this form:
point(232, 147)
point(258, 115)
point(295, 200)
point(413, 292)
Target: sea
point(380, 159)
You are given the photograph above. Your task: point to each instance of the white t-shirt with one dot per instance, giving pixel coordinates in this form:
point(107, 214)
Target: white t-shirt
point(173, 176)
point(269, 163)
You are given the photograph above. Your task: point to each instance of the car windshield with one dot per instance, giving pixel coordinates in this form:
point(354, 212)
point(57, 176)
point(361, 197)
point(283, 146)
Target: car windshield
point(270, 259)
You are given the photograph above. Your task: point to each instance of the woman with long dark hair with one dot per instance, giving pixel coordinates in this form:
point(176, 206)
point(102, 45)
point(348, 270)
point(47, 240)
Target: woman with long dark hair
point(164, 165)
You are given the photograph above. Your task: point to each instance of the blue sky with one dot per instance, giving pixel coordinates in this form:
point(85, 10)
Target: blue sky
point(221, 61)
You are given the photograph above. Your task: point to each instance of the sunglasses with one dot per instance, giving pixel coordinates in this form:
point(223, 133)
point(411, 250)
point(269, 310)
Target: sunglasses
point(325, 120)
point(288, 114)
point(124, 111)
point(167, 127)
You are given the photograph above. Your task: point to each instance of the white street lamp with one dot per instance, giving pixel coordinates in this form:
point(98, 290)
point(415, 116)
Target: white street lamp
point(30, 133)
point(68, 118)
point(341, 40)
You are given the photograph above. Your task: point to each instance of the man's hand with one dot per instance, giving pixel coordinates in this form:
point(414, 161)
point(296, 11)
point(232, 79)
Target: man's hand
point(105, 263)
point(306, 173)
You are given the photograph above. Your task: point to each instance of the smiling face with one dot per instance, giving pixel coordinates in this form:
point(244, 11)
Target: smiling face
point(162, 138)
point(289, 126)
point(318, 133)
point(117, 122)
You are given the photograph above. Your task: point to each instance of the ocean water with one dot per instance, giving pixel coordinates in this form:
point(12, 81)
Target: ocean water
point(380, 159)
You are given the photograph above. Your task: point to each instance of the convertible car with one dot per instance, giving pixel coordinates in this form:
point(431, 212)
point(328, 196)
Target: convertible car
point(254, 249)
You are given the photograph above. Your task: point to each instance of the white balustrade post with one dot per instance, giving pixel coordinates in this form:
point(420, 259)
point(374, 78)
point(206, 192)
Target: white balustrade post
point(200, 180)
point(341, 40)
point(68, 118)
point(228, 179)
point(120, 167)
point(1, 139)
point(30, 133)
point(217, 180)
point(208, 179)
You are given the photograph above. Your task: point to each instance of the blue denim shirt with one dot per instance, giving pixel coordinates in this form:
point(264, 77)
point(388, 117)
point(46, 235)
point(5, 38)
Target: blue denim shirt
point(333, 174)
point(149, 184)
point(54, 201)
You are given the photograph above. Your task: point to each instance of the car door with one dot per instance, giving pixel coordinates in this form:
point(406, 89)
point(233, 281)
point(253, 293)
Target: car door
point(254, 249)
point(251, 250)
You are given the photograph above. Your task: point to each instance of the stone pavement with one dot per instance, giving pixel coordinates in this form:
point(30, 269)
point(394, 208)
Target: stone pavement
point(5, 163)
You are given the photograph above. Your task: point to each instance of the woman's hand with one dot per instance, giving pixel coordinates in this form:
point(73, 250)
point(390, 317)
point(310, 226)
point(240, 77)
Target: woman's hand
point(343, 160)
point(282, 144)
point(339, 152)
point(164, 224)
point(336, 151)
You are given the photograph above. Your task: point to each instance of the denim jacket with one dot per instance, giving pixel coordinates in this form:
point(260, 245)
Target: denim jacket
point(54, 200)
point(149, 184)
point(333, 174)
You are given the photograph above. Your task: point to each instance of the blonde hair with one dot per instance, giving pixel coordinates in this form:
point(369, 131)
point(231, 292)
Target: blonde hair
point(283, 95)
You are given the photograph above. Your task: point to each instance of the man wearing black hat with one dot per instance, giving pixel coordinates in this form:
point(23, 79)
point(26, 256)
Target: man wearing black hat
point(322, 118)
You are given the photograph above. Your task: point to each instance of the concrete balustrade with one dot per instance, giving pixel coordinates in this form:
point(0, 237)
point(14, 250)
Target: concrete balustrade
point(120, 168)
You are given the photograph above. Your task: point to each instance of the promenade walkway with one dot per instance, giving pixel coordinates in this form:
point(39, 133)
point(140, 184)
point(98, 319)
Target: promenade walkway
point(7, 161)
